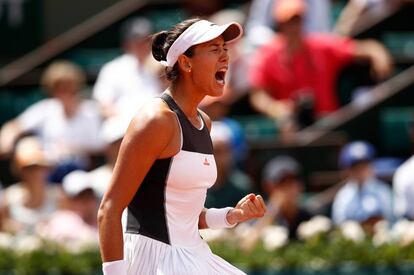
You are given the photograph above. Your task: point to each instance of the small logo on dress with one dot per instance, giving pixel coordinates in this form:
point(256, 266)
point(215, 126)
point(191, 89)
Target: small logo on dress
point(206, 162)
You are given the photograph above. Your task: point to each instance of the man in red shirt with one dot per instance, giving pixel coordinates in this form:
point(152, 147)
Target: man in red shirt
point(296, 70)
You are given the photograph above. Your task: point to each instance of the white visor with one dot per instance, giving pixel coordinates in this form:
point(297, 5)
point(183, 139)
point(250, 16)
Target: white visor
point(200, 32)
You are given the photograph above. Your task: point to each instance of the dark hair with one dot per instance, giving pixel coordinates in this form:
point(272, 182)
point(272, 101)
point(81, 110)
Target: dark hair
point(162, 41)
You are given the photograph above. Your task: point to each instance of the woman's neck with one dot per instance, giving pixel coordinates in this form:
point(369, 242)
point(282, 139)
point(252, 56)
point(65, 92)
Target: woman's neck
point(187, 99)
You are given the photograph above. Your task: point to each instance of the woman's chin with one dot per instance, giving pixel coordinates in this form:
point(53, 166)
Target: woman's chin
point(217, 92)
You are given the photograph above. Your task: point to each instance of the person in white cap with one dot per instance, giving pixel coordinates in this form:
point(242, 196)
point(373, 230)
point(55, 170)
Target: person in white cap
point(166, 164)
point(76, 220)
point(32, 199)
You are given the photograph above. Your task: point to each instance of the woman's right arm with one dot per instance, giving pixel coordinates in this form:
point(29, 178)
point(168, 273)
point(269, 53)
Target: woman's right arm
point(147, 139)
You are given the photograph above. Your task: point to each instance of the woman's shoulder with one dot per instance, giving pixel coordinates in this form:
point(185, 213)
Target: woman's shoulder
point(155, 109)
point(152, 130)
point(155, 115)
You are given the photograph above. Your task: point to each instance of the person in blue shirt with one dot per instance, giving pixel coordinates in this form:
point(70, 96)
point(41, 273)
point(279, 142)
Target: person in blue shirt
point(363, 198)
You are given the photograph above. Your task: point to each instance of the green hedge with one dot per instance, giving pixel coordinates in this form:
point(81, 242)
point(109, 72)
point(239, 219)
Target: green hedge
point(322, 254)
point(319, 254)
point(48, 260)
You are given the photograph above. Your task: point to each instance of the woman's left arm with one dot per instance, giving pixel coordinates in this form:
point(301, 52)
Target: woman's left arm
point(250, 207)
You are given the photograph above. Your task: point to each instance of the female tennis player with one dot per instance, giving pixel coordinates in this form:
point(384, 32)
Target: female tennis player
point(166, 164)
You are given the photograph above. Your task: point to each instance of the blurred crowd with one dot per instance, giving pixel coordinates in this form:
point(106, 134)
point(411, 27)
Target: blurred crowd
point(286, 66)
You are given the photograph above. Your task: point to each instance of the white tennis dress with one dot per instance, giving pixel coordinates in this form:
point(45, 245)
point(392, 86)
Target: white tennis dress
point(161, 236)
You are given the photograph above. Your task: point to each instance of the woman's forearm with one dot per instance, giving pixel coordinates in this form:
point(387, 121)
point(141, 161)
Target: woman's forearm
point(110, 236)
point(216, 218)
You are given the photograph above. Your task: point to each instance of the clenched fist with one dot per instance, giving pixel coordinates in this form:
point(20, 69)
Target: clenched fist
point(249, 207)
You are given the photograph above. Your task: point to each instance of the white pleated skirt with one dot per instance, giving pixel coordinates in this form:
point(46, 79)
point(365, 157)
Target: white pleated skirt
point(146, 256)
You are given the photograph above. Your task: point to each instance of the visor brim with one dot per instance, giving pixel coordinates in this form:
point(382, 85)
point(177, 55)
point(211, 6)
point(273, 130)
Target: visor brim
point(231, 32)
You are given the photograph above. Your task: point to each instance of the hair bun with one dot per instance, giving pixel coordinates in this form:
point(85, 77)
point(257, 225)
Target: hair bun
point(158, 45)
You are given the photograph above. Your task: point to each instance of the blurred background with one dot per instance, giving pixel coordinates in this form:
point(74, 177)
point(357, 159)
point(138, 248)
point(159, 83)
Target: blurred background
point(317, 116)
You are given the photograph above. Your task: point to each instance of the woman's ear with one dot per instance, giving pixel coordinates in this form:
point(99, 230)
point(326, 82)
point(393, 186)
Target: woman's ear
point(184, 63)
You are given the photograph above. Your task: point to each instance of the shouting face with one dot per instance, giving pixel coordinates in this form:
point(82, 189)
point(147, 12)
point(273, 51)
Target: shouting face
point(209, 66)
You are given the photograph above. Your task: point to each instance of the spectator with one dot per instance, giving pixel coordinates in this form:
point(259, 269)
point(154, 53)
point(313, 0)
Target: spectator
point(1, 214)
point(77, 220)
point(113, 131)
point(261, 25)
point(66, 125)
point(293, 76)
point(125, 82)
point(26, 203)
point(231, 183)
point(403, 184)
point(282, 184)
point(363, 198)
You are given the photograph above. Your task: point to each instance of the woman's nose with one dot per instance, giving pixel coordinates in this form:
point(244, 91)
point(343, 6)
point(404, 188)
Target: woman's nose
point(224, 55)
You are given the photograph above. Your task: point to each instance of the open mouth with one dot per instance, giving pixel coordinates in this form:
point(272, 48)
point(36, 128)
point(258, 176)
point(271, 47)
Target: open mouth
point(220, 76)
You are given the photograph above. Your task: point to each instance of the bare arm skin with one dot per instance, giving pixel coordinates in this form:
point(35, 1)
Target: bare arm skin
point(249, 207)
point(377, 55)
point(276, 109)
point(141, 146)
